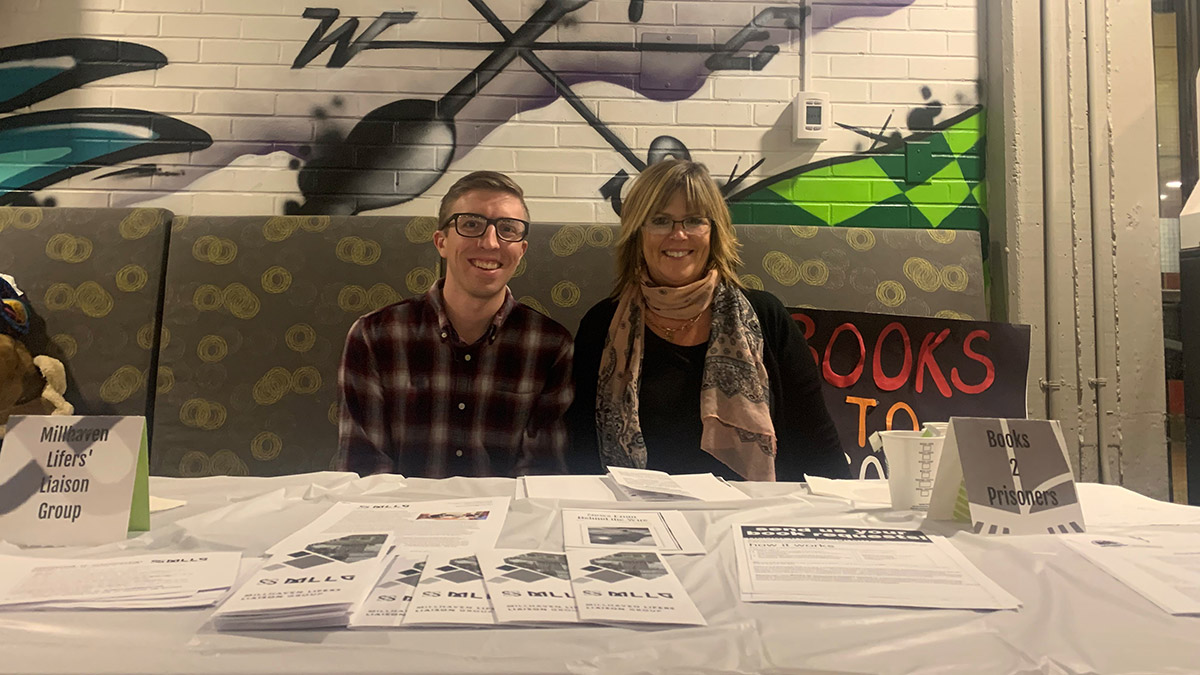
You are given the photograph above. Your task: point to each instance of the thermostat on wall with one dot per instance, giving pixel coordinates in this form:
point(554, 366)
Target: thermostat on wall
point(812, 116)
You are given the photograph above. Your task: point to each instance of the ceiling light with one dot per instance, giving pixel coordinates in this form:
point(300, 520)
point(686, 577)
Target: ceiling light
point(1162, 197)
point(1174, 183)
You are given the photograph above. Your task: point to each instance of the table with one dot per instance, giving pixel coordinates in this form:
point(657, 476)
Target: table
point(1075, 618)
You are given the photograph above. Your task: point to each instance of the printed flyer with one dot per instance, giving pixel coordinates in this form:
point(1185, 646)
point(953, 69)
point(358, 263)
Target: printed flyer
point(629, 587)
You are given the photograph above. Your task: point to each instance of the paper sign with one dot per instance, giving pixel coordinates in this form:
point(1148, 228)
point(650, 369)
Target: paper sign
point(1014, 474)
point(73, 480)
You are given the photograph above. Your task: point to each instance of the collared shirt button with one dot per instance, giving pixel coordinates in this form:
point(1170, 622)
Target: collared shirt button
point(445, 334)
point(458, 453)
point(462, 406)
point(467, 357)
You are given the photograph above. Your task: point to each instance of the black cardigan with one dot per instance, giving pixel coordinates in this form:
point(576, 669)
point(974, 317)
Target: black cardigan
point(807, 439)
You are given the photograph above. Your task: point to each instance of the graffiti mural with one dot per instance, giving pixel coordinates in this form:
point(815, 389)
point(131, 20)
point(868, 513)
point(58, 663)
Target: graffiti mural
point(400, 149)
point(340, 110)
point(932, 179)
point(43, 148)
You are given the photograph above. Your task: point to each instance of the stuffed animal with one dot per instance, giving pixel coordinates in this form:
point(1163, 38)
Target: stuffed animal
point(29, 385)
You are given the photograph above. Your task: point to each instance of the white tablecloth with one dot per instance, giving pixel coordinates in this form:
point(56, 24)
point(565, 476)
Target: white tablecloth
point(1075, 618)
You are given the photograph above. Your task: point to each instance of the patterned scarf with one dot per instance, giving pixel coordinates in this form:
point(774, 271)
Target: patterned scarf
point(734, 414)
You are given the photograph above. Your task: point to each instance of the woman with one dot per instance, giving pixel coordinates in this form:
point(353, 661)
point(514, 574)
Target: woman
point(685, 371)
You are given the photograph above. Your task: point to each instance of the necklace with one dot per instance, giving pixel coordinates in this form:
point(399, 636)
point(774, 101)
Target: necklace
point(670, 332)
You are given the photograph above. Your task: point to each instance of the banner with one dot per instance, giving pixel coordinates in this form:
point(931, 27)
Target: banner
point(898, 372)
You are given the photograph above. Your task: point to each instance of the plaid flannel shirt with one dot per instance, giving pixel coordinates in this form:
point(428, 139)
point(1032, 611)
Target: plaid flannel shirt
point(417, 400)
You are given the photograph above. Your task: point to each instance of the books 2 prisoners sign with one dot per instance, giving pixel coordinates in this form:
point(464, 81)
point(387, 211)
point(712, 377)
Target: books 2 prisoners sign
point(897, 372)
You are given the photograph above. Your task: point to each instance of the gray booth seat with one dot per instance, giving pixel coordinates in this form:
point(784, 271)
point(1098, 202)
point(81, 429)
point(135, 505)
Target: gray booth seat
point(254, 321)
point(93, 277)
point(568, 268)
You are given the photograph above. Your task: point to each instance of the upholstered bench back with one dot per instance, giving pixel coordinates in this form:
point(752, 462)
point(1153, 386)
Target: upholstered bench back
point(255, 316)
point(568, 268)
point(93, 277)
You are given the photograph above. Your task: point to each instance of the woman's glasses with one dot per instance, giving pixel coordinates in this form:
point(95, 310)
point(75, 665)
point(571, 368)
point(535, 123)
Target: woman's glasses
point(662, 224)
point(474, 225)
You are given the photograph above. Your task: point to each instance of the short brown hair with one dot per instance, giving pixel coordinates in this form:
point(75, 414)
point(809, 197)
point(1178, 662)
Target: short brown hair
point(650, 192)
point(487, 181)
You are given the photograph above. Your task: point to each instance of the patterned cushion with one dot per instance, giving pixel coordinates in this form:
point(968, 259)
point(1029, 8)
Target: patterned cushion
point(568, 268)
point(254, 321)
point(93, 278)
point(880, 270)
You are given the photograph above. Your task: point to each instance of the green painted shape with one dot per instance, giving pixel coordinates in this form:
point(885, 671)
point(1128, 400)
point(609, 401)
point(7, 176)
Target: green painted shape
point(941, 195)
point(961, 141)
point(979, 192)
point(878, 215)
point(874, 166)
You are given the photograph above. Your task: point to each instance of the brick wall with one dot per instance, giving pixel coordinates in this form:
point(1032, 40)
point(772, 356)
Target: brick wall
point(214, 106)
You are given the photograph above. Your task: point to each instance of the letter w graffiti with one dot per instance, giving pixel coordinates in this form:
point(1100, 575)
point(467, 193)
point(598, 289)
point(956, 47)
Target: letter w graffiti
point(321, 38)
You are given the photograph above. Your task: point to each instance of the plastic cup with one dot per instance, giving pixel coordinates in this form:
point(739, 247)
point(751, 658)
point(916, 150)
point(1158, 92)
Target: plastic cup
point(936, 428)
point(912, 461)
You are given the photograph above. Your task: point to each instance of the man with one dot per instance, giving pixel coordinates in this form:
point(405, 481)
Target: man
point(463, 380)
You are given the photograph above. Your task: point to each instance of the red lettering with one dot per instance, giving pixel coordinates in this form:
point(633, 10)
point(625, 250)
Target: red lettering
point(927, 361)
point(885, 382)
point(990, 374)
point(836, 379)
point(863, 404)
point(901, 405)
point(810, 327)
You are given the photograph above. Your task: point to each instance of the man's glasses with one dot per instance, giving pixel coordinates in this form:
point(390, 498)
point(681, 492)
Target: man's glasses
point(474, 225)
point(661, 224)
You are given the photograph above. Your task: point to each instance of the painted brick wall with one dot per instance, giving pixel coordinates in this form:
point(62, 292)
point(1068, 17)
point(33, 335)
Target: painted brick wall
point(225, 107)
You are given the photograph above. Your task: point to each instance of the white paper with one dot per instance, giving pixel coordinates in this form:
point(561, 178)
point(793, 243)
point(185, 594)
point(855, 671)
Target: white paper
point(629, 587)
point(1164, 568)
point(859, 566)
point(579, 488)
point(451, 592)
point(158, 580)
point(387, 603)
point(317, 584)
point(416, 526)
point(864, 494)
point(528, 587)
point(644, 484)
point(1113, 505)
point(701, 486)
point(158, 504)
point(663, 531)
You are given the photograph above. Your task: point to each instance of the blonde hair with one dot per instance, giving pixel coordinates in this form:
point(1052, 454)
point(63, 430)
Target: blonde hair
point(648, 195)
point(486, 181)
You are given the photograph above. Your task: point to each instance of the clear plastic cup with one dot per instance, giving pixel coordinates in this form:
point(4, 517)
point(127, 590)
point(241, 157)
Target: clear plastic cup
point(912, 461)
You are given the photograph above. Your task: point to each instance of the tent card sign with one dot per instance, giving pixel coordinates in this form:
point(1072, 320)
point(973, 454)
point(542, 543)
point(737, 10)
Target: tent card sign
point(1015, 475)
point(71, 480)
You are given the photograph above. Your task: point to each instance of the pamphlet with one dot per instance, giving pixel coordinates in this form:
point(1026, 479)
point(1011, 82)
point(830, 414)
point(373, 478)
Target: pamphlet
point(451, 592)
point(644, 485)
point(859, 566)
point(163, 580)
point(387, 603)
point(315, 585)
point(1164, 568)
point(663, 531)
point(416, 526)
point(529, 587)
point(703, 487)
point(629, 587)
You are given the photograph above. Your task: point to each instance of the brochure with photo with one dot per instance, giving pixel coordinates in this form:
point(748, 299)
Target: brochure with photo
point(529, 587)
point(417, 526)
point(451, 592)
point(388, 601)
point(662, 531)
point(629, 587)
point(315, 585)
